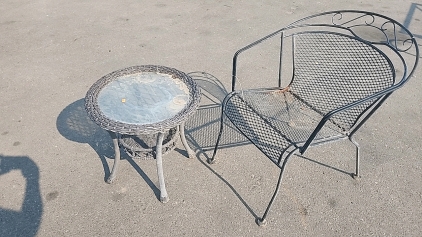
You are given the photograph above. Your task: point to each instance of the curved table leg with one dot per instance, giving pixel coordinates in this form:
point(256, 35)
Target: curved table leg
point(191, 153)
point(116, 157)
point(158, 153)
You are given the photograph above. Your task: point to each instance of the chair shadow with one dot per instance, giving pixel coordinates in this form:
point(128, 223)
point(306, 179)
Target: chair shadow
point(25, 222)
point(202, 128)
point(351, 174)
point(74, 124)
point(415, 8)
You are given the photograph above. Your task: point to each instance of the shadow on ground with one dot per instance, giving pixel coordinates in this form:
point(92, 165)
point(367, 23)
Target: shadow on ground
point(25, 222)
point(203, 127)
point(411, 19)
point(74, 124)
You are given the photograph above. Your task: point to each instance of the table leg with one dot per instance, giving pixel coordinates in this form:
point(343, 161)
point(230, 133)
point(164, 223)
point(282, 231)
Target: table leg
point(191, 154)
point(159, 159)
point(116, 157)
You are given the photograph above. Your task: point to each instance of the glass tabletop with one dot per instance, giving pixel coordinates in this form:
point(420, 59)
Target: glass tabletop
point(143, 98)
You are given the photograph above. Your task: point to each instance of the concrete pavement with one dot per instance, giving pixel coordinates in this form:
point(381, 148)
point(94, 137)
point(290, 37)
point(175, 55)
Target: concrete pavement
point(54, 161)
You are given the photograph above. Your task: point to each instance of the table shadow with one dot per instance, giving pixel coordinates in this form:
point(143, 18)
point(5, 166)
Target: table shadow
point(74, 124)
point(26, 221)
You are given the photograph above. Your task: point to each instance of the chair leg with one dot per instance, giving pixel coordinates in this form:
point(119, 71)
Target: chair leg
point(262, 221)
point(212, 160)
point(356, 174)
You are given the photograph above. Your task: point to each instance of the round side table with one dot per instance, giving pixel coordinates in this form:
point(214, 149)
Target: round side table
point(143, 103)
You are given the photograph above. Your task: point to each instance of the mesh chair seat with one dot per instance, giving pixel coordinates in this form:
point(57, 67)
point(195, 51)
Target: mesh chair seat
point(274, 120)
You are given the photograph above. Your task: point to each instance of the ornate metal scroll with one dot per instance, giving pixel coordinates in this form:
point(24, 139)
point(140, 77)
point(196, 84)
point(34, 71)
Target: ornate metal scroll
point(392, 31)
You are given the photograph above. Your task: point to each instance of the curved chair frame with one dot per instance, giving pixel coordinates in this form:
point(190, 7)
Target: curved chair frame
point(357, 57)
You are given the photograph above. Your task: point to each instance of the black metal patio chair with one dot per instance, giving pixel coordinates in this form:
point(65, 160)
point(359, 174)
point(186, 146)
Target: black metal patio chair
point(344, 65)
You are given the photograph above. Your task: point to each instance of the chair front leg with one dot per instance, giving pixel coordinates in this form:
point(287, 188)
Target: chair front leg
point(212, 160)
point(262, 221)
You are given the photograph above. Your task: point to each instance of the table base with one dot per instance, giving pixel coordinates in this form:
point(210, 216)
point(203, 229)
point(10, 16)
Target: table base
point(144, 146)
point(158, 157)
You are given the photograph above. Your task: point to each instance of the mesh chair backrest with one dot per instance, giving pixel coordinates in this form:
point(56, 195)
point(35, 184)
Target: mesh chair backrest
point(332, 70)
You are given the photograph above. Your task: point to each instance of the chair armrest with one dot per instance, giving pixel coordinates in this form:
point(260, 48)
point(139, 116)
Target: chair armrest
point(384, 93)
point(234, 72)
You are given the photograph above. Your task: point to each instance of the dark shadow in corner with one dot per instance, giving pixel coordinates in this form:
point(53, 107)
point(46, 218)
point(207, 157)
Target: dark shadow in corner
point(74, 124)
point(25, 222)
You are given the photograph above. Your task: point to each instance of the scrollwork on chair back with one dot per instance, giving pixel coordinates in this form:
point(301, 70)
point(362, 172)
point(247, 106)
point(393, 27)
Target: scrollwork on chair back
point(394, 33)
point(376, 29)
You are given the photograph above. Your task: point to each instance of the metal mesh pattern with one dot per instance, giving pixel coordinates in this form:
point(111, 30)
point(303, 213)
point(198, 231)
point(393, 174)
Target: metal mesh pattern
point(333, 70)
point(342, 72)
point(274, 120)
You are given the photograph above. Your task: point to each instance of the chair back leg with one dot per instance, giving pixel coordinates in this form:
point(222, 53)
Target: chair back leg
point(356, 174)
